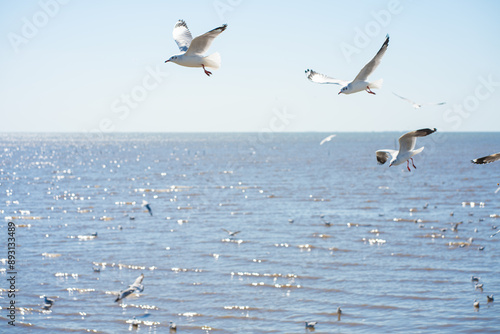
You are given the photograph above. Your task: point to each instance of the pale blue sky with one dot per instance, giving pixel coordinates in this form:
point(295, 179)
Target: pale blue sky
point(72, 72)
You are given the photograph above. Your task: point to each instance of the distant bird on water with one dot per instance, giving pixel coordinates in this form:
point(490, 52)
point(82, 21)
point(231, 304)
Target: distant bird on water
point(359, 83)
point(487, 159)
point(311, 324)
point(476, 303)
point(417, 105)
point(147, 206)
point(406, 149)
point(135, 287)
point(490, 298)
point(47, 303)
point(172, 326)
point(474, 278)
point(192, 50)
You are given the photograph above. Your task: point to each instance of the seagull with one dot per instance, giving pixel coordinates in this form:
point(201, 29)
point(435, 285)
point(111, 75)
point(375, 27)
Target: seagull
point(417, 105)
point(192, 50)
point(311, 324)
point(133, 322)
point(147, 206)
point(47, 303)
point(476, 303)
point(359, 83)
point(487, 159)
point(490, 298)
point(330, 137)
point(474, 278)
point(339, 310)
point(136, 286)
point(406, 149)
point(479, 286)
point(491, 236)
point(232, 234)
point(172, 326)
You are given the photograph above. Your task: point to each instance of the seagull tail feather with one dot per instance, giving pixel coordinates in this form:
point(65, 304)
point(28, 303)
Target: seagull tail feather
point(212, 61)
point(376, 84)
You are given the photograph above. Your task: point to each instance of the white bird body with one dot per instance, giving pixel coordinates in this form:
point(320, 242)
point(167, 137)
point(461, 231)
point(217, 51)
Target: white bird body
point(135, 287)
point(192, 50)
point(406, 149)
point(359, 83)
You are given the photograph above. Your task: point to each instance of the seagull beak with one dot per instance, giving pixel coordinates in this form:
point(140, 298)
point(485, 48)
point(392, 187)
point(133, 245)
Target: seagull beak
point(390, 165)
point(339, 93)
point(166, 61)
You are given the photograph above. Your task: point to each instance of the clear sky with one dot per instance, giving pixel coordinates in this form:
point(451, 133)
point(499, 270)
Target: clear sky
point(75, 66)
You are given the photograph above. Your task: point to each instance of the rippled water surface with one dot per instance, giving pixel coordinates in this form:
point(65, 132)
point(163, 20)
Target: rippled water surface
point(321, 227)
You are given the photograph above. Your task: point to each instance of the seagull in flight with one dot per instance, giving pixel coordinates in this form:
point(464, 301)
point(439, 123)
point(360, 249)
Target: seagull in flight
point(416, 105)
point(231, 234)
point(192, 50)
point(406, 149)
point(330, 137)
point(136, 286)
point(487, 159)
point(359, 83)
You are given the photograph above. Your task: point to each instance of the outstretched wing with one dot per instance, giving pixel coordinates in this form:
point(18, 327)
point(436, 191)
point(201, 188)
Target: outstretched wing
point(408, 140)
point(372, 64)
point(323, 79)
point(384, 155)
point(182, 35)
point(200, 44)
point(138, 281)
point(404, 98)
point(330, 137)
point(487, 159)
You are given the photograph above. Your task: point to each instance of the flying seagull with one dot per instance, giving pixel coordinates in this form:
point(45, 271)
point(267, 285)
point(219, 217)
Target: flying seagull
point(192, 50)
point(330, 137)
point(231, 234)
point(487, 159)
point(406, 149)
point(416, 105)
point(359, 83)
point(136, 286)
point(147, 206)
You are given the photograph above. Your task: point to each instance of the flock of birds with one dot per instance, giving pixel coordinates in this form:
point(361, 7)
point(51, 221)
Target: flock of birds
point(192, 55)
point(479, 286)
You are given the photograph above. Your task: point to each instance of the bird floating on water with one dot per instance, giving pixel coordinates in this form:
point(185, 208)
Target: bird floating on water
point(47, 302)
point(192, 50)
point(359, 83)
point(406, 149)
point(490, 298)
point(311, 324)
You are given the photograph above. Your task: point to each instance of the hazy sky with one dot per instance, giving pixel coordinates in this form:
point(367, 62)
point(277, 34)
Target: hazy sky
point(99, 66)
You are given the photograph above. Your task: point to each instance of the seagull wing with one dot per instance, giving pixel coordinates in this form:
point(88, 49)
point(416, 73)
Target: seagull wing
point(330, 137)
point(404, 98)
point(124, 294)
point(408, 140)
point(384, 155)
point(323, 79)
point(182, 35)
point(138, 281)
point(372, 64)
point(200, 44)
point(487, 159)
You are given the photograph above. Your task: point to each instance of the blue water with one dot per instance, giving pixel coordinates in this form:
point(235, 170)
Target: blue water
point(384, 259)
